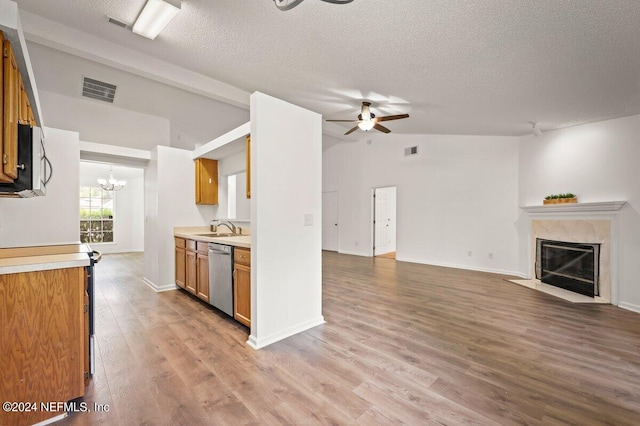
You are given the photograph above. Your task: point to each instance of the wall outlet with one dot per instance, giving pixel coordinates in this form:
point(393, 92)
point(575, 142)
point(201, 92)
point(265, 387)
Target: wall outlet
point(469, 253)
point(308, 219)
point(490, 255)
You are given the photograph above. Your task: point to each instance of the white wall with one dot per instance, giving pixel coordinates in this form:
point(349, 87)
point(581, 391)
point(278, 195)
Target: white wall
point(129, 207)
point(52, 219)
point(459, 194)
point(101, 122)
point(233, 165)
point(286, 184)
point(170, 201)
point(597, 162)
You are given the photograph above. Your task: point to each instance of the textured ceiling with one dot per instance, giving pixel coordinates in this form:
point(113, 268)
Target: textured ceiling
point(458, 67)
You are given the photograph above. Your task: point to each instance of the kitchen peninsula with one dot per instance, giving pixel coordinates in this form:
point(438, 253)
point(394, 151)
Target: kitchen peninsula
point(44, 328)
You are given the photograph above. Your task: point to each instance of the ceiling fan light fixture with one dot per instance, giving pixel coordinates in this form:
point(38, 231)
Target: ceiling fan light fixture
point(155, 15)
point(366, 125)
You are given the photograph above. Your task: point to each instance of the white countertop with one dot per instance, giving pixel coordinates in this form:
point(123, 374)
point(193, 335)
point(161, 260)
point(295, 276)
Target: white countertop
point(44, 258)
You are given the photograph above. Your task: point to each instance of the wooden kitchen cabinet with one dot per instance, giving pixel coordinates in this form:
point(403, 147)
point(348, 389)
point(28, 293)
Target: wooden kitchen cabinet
point(181, 262)
point(191, 283)
point(192, 267)
point(10, 114)
point(242, 285)
point(202, 271)
point(206, 181)
point(43, 340)
point(248, 165)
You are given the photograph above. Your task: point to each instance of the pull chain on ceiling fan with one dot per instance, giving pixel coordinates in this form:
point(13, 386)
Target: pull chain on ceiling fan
point(368, 120)
point(290, 4)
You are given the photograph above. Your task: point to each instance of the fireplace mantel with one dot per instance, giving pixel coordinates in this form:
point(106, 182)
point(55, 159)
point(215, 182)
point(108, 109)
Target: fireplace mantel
point(606, 206)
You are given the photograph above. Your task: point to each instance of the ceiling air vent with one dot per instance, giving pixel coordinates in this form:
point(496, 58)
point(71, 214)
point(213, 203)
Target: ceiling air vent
point(413, 150)
point(99, 90)
point(118, 23)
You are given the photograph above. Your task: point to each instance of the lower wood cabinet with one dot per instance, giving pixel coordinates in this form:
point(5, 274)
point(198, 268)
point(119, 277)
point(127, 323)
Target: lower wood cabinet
point(43, 336)
point(192, 267)
point(242, 286)
point(181, 262)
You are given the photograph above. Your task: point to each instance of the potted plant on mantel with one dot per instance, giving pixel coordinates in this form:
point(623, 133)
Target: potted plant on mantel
point(560, 198)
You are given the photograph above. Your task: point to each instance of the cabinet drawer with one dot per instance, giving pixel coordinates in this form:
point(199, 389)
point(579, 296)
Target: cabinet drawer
point(203, 247)
point(242, 256)
point(180, 242)
point(191, 245)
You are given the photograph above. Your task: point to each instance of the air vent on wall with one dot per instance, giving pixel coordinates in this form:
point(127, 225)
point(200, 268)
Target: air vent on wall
point(413, 150)
point(98, 90)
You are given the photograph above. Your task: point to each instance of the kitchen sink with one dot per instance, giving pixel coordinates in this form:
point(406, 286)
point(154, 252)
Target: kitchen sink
point(214, 234)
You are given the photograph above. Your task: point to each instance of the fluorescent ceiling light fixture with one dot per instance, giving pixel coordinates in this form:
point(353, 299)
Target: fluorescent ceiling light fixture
point(155, 15)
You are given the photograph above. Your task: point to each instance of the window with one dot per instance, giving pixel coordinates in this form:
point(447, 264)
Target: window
point(96, 215)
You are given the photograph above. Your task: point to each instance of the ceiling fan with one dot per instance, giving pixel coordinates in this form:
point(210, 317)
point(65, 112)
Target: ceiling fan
point(368, 120)
point(290, 4)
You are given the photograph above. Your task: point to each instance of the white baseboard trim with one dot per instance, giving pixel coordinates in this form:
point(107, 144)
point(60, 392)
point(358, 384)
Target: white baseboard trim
point(160, 289)
point(261, 342)
point(629, 306)
point(466, 267)
point(354, 253)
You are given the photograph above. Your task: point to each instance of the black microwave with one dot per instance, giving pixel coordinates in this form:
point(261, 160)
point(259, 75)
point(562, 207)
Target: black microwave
point(34, 168)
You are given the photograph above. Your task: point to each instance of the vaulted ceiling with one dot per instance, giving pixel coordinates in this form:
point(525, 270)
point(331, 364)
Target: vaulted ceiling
point(457, 66)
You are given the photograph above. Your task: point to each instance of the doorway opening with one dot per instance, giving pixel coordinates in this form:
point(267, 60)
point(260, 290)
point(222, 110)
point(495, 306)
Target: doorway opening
point(384, 222)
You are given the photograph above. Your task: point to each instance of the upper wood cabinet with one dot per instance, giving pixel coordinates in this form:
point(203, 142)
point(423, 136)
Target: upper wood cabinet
point(10, 110)
point(206, 181)
point(248, 160)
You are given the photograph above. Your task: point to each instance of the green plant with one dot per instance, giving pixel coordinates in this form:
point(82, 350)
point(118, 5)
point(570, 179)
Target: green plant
point(558, 196)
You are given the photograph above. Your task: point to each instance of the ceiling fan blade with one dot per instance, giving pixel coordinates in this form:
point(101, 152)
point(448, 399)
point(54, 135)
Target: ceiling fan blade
point(351, 131)
point(392, 117)
point(381, 128)
point(344, 121)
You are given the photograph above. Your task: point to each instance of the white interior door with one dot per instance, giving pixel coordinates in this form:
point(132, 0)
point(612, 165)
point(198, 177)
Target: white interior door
point(330, 221)
point(385, 220)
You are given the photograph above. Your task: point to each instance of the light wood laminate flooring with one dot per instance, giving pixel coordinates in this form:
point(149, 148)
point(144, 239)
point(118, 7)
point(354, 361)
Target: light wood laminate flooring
point(403, 344)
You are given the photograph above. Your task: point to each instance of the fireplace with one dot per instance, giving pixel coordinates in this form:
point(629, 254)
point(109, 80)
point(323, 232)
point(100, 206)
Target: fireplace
point(572, 266)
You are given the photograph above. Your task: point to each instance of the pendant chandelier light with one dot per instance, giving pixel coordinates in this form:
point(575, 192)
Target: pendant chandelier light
point(112, 184)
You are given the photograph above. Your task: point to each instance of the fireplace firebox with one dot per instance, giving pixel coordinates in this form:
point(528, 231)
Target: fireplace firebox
point(572, 266)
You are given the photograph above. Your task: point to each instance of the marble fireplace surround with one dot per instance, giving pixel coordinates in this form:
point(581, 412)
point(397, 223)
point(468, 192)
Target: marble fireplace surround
point(593, 223)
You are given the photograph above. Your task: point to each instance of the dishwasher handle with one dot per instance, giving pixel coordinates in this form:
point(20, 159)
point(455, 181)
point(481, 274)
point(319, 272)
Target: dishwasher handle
point(220, 249)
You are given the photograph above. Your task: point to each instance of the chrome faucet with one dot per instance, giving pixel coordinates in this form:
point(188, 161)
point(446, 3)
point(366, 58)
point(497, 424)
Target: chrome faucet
point(232, 228)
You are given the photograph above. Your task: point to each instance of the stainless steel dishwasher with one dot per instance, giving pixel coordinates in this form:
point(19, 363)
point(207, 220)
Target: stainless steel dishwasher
point(221, 277)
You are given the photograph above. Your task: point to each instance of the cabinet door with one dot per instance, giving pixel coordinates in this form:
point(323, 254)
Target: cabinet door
point(3, 177)
point(242, 294)
point(11, 110)
point(181, 263)
point(42, 336)
point(203, 277)
point(191, 280)
point(248, 165)
point(206, 181)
